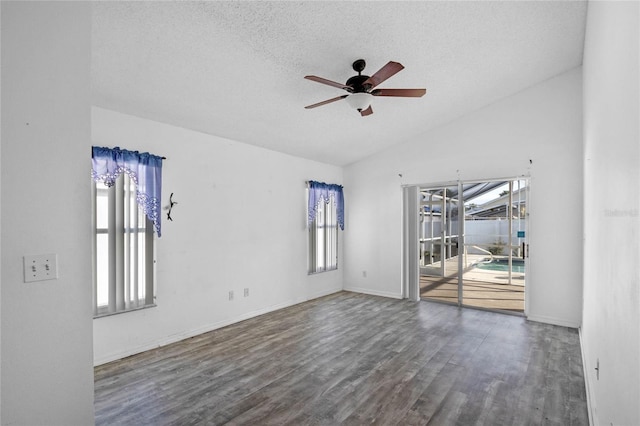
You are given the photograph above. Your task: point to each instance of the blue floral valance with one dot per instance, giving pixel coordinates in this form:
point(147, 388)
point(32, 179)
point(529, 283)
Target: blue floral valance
point(325, 192)
point(143, 168)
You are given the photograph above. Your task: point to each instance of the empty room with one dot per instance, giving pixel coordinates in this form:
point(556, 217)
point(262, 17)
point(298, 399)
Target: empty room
point(320, 213)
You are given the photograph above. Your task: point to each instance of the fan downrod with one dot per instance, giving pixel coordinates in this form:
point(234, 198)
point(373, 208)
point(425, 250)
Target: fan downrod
point(356, 82)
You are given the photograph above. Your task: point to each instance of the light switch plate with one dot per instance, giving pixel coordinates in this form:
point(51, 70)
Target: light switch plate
point(40, 267)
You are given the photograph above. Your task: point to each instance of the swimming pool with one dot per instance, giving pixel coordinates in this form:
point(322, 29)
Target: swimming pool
point(501, 265)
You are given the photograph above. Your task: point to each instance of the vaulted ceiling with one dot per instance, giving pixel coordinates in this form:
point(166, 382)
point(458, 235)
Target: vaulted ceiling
point(235, 69)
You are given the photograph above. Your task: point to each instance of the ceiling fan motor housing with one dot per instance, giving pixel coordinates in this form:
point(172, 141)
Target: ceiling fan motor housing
point(355, 83)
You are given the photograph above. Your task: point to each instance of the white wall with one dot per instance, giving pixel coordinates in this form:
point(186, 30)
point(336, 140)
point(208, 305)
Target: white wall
point(0, 220)
point(611, 318)
point(239, 222)
point(47, 374)
point(542, 124)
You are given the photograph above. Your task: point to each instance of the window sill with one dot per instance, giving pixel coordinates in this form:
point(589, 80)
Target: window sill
point(109, 314)
point(321, 272)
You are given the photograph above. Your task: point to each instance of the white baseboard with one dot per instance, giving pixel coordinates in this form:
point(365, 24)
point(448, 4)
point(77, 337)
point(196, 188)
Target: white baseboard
point(206, 328)
point(374, 292)
point(553, 321)
point(586, 379)
point(318, 295)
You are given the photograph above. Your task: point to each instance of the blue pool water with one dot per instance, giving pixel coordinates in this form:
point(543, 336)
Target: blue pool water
point(502, 265)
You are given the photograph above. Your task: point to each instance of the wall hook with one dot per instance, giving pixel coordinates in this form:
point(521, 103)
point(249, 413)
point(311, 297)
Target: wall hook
point(170, 206)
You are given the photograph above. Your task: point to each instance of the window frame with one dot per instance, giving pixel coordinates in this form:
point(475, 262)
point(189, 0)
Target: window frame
point(322, 238)
point(121, 199)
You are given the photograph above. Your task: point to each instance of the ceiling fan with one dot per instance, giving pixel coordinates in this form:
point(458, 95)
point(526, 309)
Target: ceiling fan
point(362, 88)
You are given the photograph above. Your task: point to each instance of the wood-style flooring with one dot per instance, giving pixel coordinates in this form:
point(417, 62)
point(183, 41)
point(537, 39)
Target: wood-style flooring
point(479, 294)
point(350, 358)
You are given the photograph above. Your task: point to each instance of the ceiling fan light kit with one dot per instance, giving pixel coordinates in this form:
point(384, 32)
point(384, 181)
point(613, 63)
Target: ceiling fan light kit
point(361, 88)
point(359, 101)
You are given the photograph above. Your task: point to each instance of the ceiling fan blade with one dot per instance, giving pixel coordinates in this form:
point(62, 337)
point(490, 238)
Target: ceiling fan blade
point(328, 101)
point(328, 82)
point(366, 112)
point(406, 93)
point(383, 73)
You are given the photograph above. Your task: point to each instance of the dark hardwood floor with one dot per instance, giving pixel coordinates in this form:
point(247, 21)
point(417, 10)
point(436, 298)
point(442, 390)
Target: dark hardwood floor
point(350, 358)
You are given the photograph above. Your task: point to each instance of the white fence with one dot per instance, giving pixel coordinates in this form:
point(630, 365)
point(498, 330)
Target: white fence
point(484, 233)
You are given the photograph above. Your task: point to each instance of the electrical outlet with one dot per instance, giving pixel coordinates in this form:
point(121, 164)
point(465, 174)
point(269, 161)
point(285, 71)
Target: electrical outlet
point(230, 294)
point(246, 292)
point(40, 267)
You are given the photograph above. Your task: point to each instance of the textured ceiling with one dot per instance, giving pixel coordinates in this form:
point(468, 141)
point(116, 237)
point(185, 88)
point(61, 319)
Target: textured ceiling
point(235, 69)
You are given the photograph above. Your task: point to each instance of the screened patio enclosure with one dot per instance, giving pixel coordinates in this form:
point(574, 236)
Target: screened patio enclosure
point(472, 243)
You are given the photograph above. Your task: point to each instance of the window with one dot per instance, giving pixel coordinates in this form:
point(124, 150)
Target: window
point(126, 199)
point(124, 262)
point(323, 239)
point(325, 215)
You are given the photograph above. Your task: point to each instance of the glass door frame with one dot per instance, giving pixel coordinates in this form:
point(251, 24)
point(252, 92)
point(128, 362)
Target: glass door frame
point(445, 237)
point(461, 234)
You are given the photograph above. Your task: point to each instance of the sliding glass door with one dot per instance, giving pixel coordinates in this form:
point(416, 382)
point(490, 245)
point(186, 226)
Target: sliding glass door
point(472, 239)
point(439, 243)
point(495, 248)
